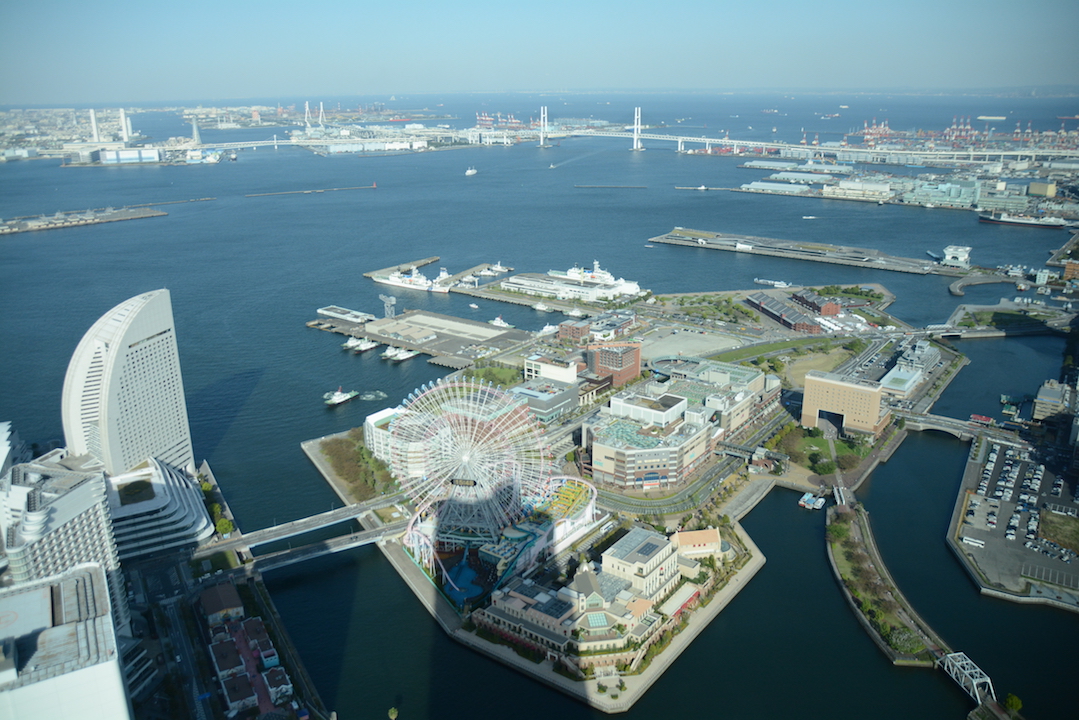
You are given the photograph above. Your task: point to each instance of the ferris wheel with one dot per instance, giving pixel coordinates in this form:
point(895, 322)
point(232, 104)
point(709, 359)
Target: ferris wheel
point(470, 456)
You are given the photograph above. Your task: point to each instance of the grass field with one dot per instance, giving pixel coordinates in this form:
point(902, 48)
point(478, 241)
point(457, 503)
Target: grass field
point(796, 371)
point(1060, 529)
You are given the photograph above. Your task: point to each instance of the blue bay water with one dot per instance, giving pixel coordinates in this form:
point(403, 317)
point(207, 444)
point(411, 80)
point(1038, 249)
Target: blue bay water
point(246, 273)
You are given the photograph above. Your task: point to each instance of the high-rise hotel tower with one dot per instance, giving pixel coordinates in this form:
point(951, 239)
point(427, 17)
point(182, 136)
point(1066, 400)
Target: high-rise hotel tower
point(123, 398)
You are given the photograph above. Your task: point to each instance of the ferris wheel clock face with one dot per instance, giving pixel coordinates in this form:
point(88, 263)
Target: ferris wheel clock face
point(472, 447)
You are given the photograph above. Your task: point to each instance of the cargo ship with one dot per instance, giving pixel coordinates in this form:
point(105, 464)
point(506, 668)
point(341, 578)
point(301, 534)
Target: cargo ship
point(1003, 218)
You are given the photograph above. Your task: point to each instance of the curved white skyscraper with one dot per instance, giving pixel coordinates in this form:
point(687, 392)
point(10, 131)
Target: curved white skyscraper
point(123, 396)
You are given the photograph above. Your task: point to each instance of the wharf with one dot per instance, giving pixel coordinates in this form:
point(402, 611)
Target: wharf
point(404, 267)
point(76, 219)
point(452, 342)
point(1061, 255)
point(811, 252)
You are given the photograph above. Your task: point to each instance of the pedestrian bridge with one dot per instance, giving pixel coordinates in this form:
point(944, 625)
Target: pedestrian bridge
point(284, 531)
point(290, 556)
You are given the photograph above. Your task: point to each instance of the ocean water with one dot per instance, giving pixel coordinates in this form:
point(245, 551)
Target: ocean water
point(246, 273)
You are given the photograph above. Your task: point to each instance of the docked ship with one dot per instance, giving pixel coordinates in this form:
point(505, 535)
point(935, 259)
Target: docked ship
point(351, 343)
point(499, 322)
point(337, 397)
point(364, 345)
point(773, 283)
point(498, 267)
point(548, 329)
point(415, 280)
point(391, 352)
point(403, 354)
point(541, 307)
point(1003, 218)
point(573, 312)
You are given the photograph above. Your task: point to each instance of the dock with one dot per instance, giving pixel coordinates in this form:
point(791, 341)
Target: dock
point(795, 250)
point(76, 219)
point(404, 267)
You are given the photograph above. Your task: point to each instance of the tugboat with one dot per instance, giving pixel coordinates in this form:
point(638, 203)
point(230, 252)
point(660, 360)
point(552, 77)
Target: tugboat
point(337, 397)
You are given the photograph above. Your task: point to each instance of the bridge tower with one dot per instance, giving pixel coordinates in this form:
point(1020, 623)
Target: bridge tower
point(969, 676)
point(94, 135)
point(637, 129)
point(196, 137)
point(307, 114)
point(125, 126)
point(321, 115)
point(543, 128)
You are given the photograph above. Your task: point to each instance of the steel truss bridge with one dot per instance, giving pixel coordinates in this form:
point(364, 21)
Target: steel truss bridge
point(969, 676)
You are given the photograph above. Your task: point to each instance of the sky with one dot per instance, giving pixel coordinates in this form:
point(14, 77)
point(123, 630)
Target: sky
point(73, 52)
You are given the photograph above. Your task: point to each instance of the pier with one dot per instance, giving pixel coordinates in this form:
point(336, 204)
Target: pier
point(76, 219)
point(404, 267)
point(811, 252)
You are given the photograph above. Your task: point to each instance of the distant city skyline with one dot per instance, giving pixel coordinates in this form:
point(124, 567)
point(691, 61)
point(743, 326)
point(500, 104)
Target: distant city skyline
point(61, 52)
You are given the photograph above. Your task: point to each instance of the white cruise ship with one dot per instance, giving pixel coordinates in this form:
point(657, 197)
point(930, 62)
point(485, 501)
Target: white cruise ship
point(414, 280)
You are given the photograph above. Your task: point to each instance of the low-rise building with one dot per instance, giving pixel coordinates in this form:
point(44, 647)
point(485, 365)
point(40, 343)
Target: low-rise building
point(783, 313)
point(239, 695)
point(221, 603)
point(279, 685)
point(547, 399)
point(226, 657)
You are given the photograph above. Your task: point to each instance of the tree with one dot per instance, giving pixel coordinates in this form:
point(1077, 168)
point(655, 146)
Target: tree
point(849, 462)
point(1013, 703)
point(225, 526)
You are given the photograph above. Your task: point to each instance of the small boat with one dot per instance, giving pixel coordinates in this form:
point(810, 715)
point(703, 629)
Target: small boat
point(548, 329)
point(649, 246)
point(499, 322)
point(809, 217)
point(573, 312)
point(403, 354)
point(552, 166)
point(351, 343)
point(337, 397)
point(474, 306)
point(471, 171)
point(391, 352)
point(541, 307)
point(703, 187)
point(811, 501)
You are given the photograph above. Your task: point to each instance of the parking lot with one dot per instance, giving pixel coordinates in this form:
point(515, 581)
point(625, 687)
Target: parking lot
point(1002, 515)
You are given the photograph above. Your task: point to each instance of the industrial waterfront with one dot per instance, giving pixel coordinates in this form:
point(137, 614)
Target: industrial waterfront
point(246, 280)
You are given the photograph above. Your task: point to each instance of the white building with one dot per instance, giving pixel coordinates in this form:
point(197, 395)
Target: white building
point(58, 651)
point(123, 398)
point(156, 507)
point(646, 559)
point(54, 513)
